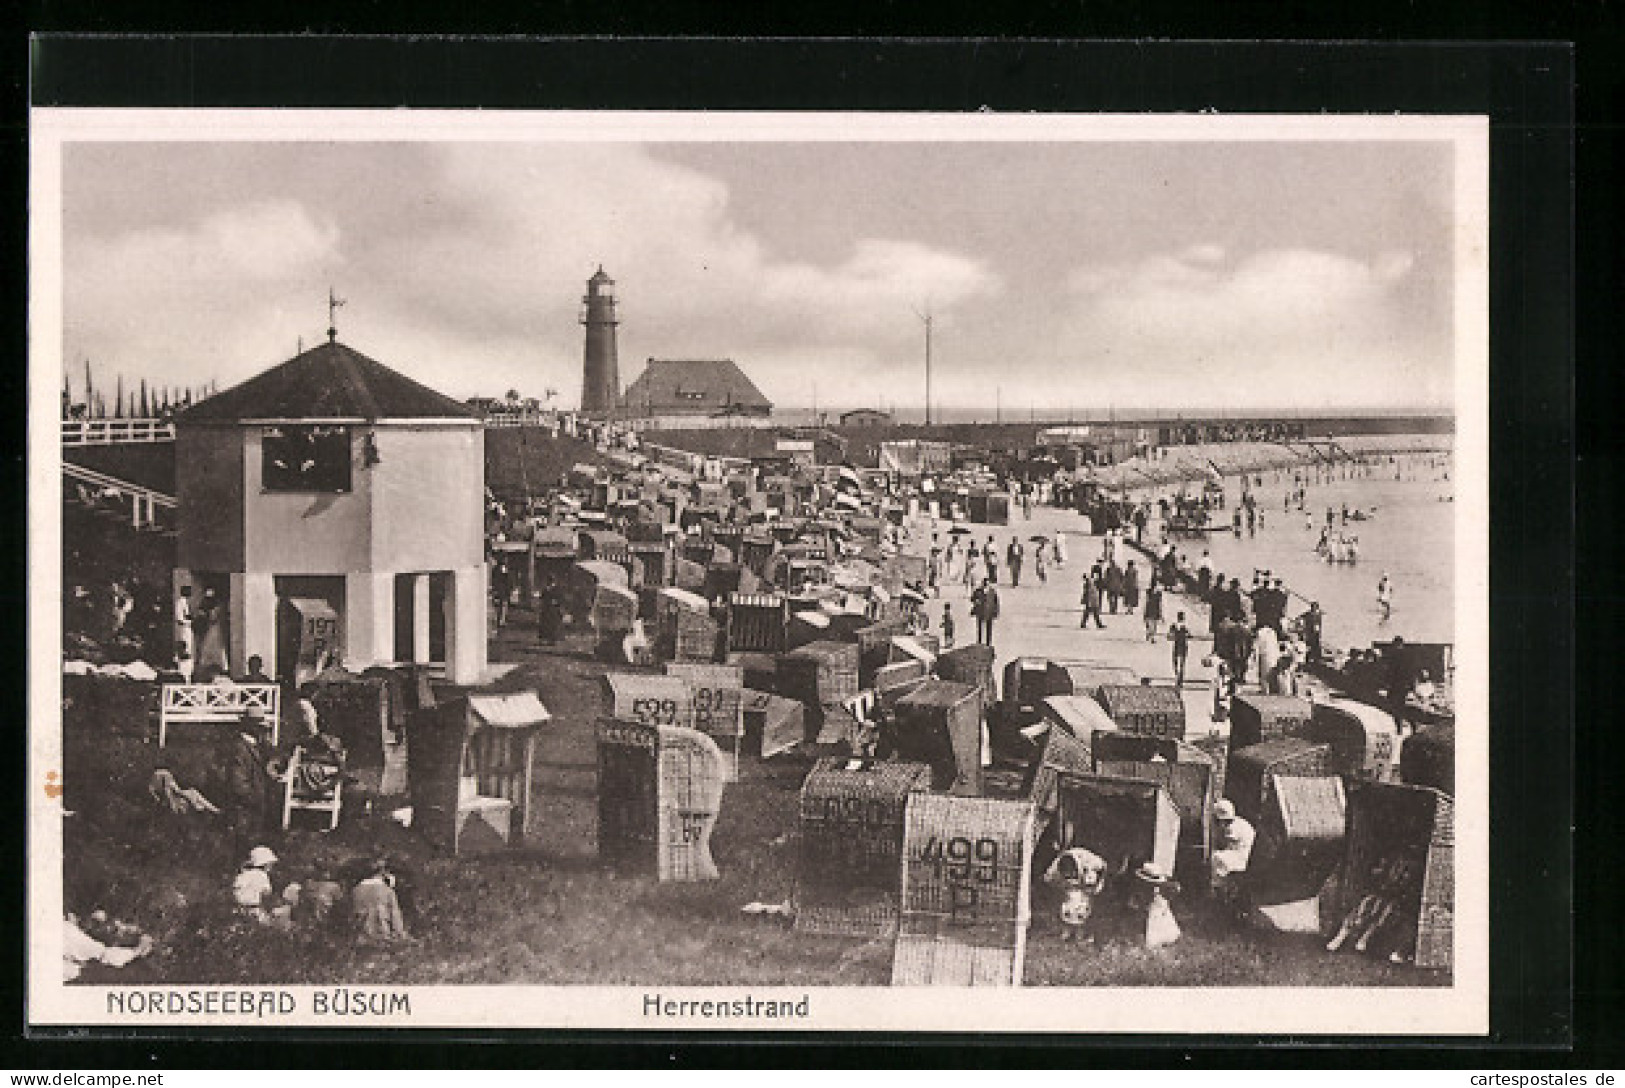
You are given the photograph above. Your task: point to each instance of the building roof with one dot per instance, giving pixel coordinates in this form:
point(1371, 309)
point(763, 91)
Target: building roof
point(330, 381)
point(693, 386)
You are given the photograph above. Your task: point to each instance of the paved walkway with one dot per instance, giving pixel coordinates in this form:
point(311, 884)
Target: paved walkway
point(1041, 619)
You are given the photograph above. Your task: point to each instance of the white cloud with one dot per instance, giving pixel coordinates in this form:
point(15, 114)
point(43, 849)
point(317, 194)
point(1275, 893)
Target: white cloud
point(464, 265)
point(1274, 326)
point(189, 303)
point(468, 274)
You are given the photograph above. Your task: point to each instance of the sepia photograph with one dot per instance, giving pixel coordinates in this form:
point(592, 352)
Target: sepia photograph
point(759, 571)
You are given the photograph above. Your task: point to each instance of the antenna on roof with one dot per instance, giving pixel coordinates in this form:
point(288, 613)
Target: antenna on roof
point(333, 304)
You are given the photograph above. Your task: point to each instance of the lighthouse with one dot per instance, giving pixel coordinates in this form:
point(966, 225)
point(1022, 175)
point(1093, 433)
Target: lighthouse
point(600, 378)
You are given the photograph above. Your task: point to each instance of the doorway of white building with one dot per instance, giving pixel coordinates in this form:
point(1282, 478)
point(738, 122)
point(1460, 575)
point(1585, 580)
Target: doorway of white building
point(309, 624)
point(420, 617)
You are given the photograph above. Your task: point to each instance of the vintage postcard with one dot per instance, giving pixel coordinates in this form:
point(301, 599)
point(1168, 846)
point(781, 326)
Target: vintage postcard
point(758, 572)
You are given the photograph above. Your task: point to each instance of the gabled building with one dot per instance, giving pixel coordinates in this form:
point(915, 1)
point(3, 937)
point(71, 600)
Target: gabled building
point(694, 387)
point(335, 507)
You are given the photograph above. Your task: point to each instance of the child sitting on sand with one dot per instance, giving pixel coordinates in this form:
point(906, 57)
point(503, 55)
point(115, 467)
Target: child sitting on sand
point(375, 908)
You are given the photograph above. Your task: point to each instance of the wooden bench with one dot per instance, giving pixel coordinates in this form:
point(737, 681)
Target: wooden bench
point(218, 704)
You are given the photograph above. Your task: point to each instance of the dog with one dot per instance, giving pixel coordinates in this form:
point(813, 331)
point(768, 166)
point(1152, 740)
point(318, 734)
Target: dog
point(1081, 874)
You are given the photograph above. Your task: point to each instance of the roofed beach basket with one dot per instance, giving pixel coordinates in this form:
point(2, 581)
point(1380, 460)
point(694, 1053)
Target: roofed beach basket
point(1396, 893)
point(1150, 709)
point(967, 877)
point(1247, 782)
point(852, 845)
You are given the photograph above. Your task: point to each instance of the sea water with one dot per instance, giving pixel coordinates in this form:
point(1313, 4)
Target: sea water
point(1409, 533)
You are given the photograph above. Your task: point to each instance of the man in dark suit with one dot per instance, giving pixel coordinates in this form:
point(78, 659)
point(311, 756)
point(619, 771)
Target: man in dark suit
point(984, 606)
point(248, 788)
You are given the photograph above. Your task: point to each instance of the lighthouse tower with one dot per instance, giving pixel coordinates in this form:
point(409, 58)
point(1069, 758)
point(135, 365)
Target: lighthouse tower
point(601, 377)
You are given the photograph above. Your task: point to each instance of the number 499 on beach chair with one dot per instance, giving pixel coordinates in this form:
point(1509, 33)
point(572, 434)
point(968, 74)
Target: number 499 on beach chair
point(313, 787)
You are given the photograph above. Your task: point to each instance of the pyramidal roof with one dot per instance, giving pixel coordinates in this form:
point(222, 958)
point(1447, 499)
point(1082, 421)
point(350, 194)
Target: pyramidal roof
point(692, 385)
point(330, 381)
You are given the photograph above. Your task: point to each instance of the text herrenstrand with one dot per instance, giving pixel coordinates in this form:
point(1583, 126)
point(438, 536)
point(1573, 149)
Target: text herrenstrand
point(746, 1007)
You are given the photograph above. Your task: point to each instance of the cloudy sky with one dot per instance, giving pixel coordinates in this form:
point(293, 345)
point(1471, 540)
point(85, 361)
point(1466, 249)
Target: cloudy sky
point(1065, 278)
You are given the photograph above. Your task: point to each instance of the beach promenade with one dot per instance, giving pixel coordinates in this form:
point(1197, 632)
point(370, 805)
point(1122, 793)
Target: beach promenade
point(1040, 619)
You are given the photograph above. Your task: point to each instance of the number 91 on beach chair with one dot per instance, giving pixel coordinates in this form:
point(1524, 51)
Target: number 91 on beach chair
point(659, 791)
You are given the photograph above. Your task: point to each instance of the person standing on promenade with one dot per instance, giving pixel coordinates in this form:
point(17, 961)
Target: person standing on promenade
point(1270, 602)
point(1231, 600)
point(1241, 605)
point(1385, 595)
point(183, 625)
point(550, 612)
point(501, 592)
point(1153, 609)
point(973, 559)
point(1204, 574)
point(1131, 586)
point(1267, 648)
point(1180, 636)
point(1091, 599)
point(1060, 548)
point(1310, 624)
point(1013, 555)
point(1224, 686)
point(1114, 585)
point(1233, 647)
point(984, 605)
point(1215, 601)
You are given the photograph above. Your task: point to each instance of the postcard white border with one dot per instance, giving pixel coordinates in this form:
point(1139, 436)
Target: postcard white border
point(1460, 1009)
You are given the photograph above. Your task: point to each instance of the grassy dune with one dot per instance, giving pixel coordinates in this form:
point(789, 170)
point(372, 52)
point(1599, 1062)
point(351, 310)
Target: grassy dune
point(549, 912)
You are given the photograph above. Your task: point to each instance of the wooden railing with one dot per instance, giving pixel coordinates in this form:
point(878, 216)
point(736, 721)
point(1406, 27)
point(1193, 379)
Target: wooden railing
point(144, 501)
point(110, 432)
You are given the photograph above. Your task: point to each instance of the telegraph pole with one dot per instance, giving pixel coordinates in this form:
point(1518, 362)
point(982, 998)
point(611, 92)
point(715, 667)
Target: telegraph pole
point(926, 318)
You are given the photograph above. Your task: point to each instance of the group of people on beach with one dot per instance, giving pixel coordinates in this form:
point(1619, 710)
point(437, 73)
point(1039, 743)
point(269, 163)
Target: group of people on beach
point(973, 565)
point(261, 897)
point(1250, 630)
